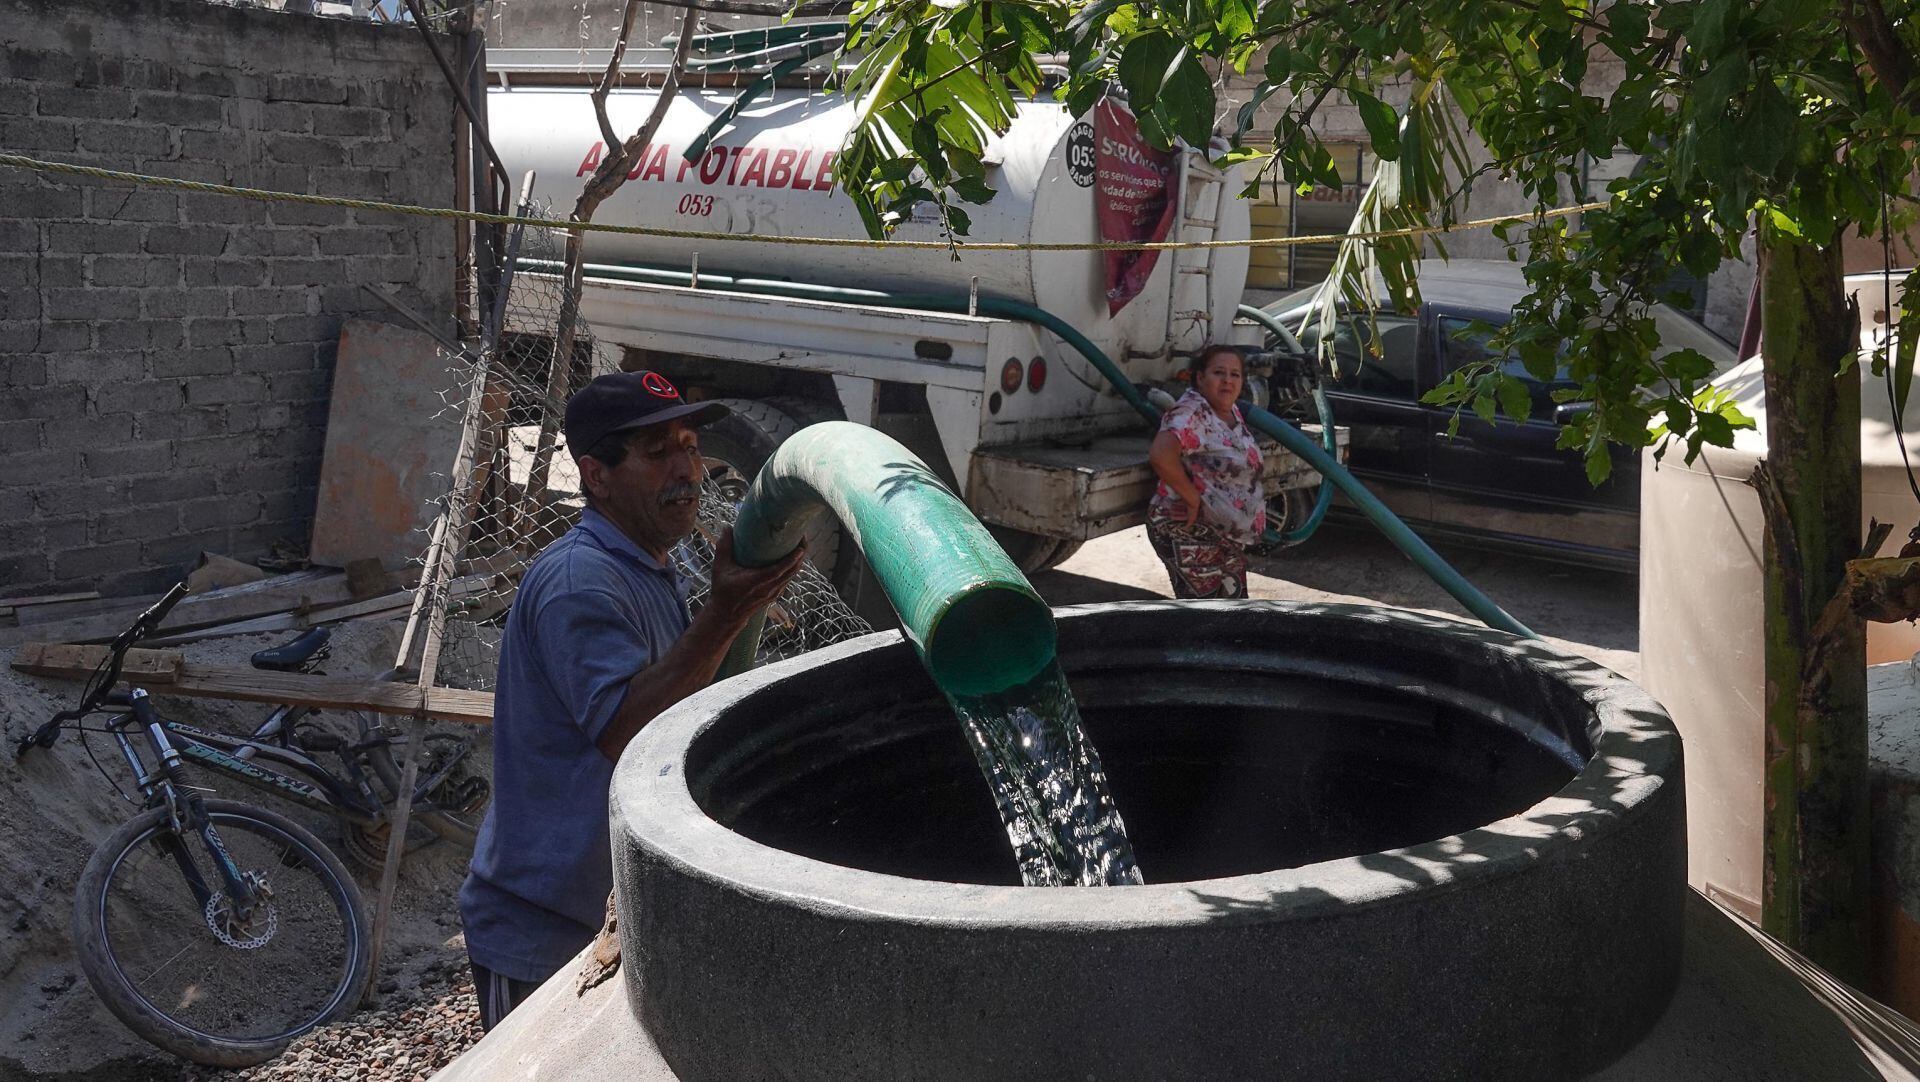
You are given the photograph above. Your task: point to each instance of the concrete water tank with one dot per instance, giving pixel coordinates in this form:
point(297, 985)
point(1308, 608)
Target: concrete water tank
point(1367, 835)
point(1701, 588)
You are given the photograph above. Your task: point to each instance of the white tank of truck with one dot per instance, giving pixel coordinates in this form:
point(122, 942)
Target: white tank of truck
point(770, 173)
point(1035, 439)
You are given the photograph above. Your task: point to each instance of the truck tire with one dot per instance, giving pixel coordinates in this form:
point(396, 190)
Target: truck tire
point(1287, 510)
point(1033, 553)
point(737, 445)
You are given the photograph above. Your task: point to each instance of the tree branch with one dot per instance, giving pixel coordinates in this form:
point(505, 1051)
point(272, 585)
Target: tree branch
point(1892, 62)
point(612, 73)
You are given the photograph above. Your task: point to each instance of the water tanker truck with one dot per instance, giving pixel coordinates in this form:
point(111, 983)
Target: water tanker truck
point(951, 362)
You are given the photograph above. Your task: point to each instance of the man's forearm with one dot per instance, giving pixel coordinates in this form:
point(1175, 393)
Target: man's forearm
point(684, 669)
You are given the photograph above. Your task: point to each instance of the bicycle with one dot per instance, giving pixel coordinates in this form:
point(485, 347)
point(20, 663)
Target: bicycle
point(280, 910)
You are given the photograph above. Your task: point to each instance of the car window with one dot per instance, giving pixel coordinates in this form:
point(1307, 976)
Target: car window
point(1460, 347)
point(1392, 374)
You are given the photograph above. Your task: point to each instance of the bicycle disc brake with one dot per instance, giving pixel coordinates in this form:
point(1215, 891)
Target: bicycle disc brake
point(248, 936)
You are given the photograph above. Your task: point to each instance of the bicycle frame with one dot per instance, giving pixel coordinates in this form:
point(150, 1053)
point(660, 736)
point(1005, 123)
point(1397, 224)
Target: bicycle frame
point(322, 792)
point(185, 812)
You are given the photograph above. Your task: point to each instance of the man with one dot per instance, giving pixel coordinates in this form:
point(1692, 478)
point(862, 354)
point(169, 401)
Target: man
point(598, 644)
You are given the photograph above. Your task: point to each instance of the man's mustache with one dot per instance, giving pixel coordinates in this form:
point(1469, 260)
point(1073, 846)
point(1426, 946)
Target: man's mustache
point(682, 491)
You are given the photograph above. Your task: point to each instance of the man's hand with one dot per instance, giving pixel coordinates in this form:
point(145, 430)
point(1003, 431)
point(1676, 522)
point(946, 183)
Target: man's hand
point(739, 592)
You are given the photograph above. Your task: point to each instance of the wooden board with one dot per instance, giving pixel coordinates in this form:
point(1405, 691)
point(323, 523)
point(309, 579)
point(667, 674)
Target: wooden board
point(10, 605)
point(80, 662)
point(259, 686)
point(301, 590)
point(67, 610)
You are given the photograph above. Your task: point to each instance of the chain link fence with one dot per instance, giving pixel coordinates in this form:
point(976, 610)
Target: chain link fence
point(522, 491)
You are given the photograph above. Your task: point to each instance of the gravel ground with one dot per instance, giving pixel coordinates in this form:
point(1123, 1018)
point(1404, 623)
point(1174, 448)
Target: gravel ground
point(408, 1037)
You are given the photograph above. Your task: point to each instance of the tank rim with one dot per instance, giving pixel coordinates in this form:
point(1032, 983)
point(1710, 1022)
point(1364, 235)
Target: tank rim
point(1636, 753)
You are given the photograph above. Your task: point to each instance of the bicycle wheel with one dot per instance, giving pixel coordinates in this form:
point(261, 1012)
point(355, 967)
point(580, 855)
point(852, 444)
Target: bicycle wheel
point(187, 976)
point(460, 825)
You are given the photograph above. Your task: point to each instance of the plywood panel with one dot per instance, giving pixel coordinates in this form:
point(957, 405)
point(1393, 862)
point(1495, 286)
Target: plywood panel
point(390, 440)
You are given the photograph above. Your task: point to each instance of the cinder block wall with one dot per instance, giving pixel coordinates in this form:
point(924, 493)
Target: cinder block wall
point(165, 356)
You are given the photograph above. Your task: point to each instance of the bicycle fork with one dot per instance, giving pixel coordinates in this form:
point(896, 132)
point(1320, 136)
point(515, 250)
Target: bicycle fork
point(186, 813)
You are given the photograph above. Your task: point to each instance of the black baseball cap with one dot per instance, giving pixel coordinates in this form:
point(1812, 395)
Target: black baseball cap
point(628, 400)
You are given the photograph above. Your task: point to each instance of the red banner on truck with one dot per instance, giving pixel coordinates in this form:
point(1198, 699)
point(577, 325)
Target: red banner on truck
point(1137, 195)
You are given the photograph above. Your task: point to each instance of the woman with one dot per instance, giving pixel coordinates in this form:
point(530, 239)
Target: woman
point(1209, 505)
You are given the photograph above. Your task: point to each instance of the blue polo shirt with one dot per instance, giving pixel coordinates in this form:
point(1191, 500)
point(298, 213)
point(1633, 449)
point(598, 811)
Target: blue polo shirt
point(592, 610)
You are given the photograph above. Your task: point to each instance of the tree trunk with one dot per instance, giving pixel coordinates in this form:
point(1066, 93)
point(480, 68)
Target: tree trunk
point(1817, 829)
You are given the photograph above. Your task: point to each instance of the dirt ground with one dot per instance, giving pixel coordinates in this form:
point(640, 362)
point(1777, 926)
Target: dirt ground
point(58, 808)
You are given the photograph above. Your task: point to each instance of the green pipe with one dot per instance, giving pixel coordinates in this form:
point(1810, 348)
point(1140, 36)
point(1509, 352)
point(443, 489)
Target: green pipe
point(1324, 498)
point(1422, 554)
point(977, 624)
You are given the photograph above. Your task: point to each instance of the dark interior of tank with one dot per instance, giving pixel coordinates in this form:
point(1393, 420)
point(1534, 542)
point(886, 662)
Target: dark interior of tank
point(1216, 773)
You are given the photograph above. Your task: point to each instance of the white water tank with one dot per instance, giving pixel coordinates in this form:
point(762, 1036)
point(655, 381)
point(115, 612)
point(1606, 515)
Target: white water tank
point(770, 172)
point(1701, 610)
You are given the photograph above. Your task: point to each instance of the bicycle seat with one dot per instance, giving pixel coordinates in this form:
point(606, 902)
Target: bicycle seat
point(288, 657)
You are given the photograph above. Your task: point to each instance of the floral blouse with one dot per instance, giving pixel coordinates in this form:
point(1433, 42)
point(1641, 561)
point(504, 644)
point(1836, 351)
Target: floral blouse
point(1223, 459)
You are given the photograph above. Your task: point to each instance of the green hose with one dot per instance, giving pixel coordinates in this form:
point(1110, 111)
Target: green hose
point(1327, 438)
point(978, 625)
point(1422, 554)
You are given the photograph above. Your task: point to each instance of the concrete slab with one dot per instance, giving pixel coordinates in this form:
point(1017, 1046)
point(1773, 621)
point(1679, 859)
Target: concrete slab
point(1747, 1010)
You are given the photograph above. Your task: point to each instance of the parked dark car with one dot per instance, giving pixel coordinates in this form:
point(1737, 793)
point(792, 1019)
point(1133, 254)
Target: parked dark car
point(1503, 483)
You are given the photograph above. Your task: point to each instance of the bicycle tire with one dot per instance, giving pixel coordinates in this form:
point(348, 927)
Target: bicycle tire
point(107, 972)
point(460, 830)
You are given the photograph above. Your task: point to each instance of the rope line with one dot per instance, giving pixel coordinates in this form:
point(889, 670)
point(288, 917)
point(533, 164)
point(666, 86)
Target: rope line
point(18, 161)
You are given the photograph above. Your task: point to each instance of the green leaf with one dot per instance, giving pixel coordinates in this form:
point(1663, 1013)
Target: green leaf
point(1688, 365)
point(1514, 400)
point(957, 220)
point(1145, 63)
point(1238, 155)
point(1486, 406)
point(1090, 19)
point(1766, 131)
point(1903, 354)
point(1281, 63)
point(1712, 24)
point(1152, 130)
point(1383, 124)
point(1627, 21)
point(973, 189)
point(1599, 465)
point(1187, 100)
point(1032, 31)
point(1085, 96)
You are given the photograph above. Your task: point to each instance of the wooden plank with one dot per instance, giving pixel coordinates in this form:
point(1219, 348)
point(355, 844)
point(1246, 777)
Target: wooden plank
point(260, 686)
point(80, 662)
point(10, 605)
point(391, 604)
point(301, 590)
point(67, 610)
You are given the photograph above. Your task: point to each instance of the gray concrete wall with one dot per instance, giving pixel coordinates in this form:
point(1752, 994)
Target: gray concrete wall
point(165, 356)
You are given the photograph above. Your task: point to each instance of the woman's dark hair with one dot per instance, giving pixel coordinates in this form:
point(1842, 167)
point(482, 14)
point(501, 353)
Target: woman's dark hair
point(1198, 365)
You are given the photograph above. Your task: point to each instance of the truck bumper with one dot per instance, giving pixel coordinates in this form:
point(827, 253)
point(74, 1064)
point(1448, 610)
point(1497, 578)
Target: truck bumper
point(1081, 492)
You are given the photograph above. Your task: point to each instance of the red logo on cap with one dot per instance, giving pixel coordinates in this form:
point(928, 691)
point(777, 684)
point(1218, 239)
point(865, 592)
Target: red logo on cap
point(657, 386)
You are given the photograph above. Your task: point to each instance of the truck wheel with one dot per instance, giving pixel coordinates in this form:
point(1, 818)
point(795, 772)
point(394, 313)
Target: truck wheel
point(1287, 510)
point(737, 445)
point(1033, 553)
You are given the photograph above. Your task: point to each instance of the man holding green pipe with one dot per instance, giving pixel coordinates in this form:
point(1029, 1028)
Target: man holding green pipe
point(598, 644)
